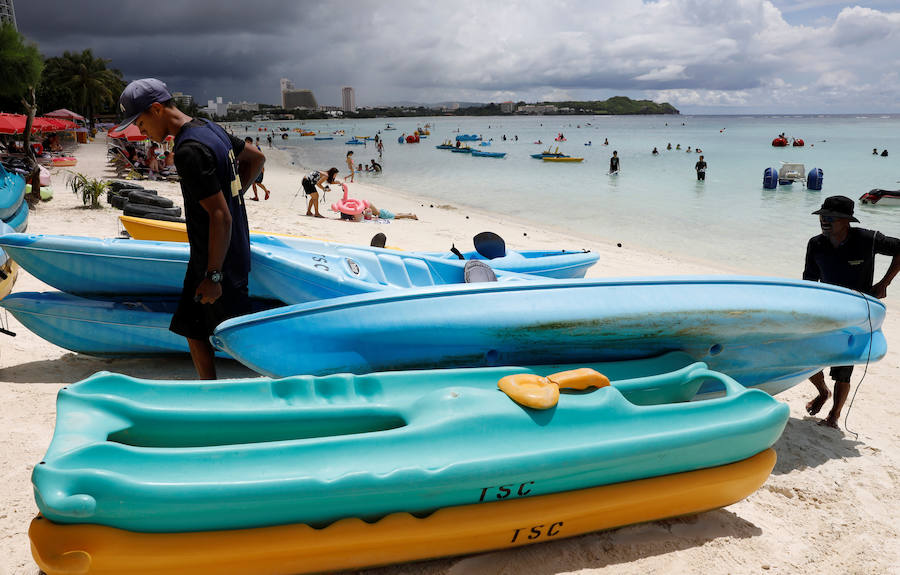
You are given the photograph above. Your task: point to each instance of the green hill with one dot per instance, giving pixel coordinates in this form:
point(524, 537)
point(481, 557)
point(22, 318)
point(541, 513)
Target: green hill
point(618, 105)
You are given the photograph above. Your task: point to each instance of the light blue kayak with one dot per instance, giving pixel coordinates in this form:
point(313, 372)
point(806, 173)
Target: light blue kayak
point(479, 153)
point(758, 330)
point(167, 456)
point(288, 269)
point(12, 194)
point(546, 263)
point(132, 327)
point(301, 275)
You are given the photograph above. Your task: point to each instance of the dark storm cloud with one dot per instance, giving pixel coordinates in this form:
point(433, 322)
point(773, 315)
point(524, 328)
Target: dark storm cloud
point(696, 52)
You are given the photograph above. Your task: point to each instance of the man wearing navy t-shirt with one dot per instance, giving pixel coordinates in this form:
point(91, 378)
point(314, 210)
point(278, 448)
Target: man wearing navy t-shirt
point(215, 285)
point(845, 256)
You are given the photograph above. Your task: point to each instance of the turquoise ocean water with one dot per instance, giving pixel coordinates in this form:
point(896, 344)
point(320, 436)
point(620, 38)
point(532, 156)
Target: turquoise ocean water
point(655, 202)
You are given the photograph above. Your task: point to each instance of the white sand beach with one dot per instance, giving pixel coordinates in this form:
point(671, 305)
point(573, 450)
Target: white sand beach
point(831, 505)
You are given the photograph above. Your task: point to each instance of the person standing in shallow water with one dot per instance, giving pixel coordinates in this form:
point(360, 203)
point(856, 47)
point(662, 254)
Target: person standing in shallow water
point(700, 166)
point(845, 256)
point(614, 163)
point(215, 285)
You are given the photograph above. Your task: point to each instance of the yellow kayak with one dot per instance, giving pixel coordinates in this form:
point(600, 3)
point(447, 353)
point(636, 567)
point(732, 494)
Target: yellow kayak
point(562, 159)
point(400, 537)
point(10, 271)
point(160, 231)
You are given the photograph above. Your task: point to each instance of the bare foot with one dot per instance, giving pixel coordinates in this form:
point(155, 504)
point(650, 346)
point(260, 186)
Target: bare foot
point(814, 406)
point(829, 422)
point(308, 213)
point(267, 195)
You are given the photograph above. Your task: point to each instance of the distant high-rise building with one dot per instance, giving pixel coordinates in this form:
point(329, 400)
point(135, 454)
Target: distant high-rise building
point(348, 99)
point(8, 12)
point(291, 98)
point(184, 100)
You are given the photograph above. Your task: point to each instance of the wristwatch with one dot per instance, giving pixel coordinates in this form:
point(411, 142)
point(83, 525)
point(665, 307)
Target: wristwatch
point(215, 276)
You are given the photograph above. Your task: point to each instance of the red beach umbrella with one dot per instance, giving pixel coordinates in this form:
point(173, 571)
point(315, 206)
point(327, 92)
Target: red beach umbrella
point(12, 123)
point(131, 133)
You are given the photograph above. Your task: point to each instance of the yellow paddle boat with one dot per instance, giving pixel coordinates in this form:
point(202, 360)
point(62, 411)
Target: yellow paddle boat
point(561, 159)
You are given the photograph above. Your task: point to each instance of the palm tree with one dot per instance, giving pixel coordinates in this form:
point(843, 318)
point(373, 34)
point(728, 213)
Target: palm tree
point(93, 84)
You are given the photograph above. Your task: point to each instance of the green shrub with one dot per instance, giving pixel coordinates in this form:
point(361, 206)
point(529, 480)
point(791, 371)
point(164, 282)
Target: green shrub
point(90, 189)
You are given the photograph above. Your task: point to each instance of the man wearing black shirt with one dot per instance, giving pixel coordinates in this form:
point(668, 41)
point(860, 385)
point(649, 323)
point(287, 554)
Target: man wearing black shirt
point(845, 256)
point(700, 166)
point(215, 285)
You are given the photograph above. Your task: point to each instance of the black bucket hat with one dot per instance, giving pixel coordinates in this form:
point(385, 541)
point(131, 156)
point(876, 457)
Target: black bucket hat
point(837, 207)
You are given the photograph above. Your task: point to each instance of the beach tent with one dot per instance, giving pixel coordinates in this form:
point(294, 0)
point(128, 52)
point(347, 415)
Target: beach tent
point(65, 114)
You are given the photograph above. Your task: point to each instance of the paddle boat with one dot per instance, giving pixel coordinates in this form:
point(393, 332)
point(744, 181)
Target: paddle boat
point(780, 142)
point(561, 159)
point(322, 138)
point(548, 154)
point(63, 549)
point(468, 138)
point(308, 133)
point(178, 456)
point(12, 193)
point(881, 197)
point(547, 263)
point(798, 142)
point(461, 150)
point(768, 331)
point(445, 146)
point(479, 153)
point(355, 142)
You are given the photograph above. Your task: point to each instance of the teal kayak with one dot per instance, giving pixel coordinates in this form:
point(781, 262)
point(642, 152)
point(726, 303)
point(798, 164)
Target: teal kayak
point(176, 456)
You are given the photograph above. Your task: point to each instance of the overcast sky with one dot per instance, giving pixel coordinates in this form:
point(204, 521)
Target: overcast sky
point(702, 56)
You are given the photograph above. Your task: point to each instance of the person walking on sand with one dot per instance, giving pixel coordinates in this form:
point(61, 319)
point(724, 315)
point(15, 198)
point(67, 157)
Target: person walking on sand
point(700, 166)
point(321, 179)
point(248, 141)
point(215, 285)
point(845, 256)
point(350, 166)
point(614, 163)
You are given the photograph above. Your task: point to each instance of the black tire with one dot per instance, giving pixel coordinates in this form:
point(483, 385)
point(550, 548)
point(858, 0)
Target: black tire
point(118, 202)
point(117, 185)
point(143, 210)
point(142, 197)
point(163, 218)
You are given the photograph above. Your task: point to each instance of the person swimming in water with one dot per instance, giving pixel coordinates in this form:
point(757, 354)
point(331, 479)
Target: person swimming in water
point(614, 163)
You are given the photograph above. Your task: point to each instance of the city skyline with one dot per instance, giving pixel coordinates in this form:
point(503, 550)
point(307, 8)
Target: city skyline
point(702, 56)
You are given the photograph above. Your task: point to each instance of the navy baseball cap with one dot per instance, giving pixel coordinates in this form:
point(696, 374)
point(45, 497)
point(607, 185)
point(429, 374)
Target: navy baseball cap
point(138, 96)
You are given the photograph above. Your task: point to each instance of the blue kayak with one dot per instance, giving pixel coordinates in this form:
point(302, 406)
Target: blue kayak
point(180, 456)
point(758, 330)
point(488, 154)
point(118, 327)
point(12, 194)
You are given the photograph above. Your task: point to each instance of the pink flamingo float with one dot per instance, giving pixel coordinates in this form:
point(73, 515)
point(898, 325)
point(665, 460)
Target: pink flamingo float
point(349, 206)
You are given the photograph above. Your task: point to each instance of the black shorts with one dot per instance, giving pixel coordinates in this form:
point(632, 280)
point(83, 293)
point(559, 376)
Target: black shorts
point(259, 178)
point(841, 373)
point(195, 320)
point(309, 188)
point(701, 175)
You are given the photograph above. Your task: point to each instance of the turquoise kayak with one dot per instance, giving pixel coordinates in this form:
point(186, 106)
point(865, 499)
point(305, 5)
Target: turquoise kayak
point(178, 456)
point(758, 330)
point(18, 221)
point(12, 194)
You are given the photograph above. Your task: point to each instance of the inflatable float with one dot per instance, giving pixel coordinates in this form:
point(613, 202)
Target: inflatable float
point(349, 206)
point(179, 456)
point(64, 161)
point(352, 543)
